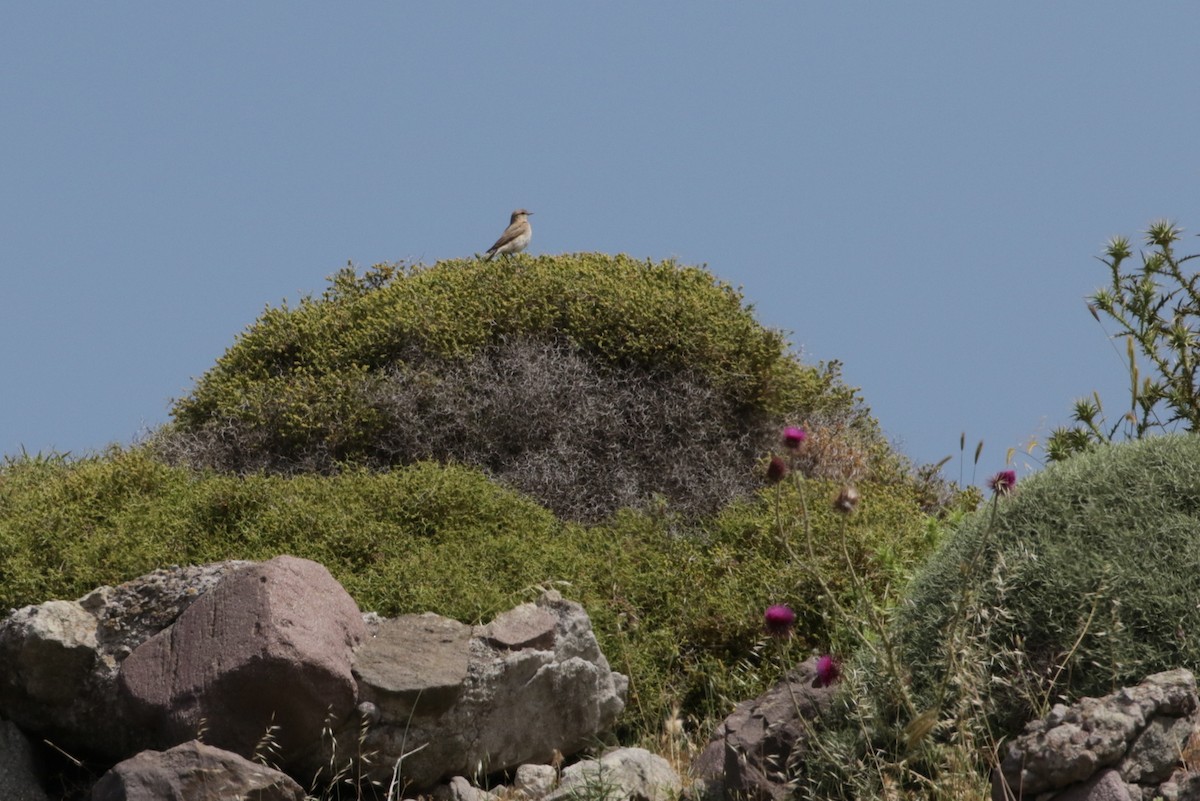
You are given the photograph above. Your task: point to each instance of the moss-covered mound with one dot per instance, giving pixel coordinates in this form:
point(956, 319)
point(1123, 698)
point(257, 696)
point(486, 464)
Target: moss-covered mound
point(1085, 580)
point(590, 382)
point(681, 615)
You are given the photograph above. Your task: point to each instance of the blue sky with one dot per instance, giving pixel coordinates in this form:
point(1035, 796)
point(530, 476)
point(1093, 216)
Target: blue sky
point(915, 189)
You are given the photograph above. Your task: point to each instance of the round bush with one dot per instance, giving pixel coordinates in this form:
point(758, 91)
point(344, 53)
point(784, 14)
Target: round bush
point(589, 382)
point(1086, 579)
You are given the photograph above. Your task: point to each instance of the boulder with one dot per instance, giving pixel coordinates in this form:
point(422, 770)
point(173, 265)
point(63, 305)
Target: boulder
point(261, 661)
point(414, 659)
point(444, 700)
point(624, 774)
point(194, 771)
point(59, 660)
point(275, 659)
point(459, 789)
point(1136, 736)
point(18, 771)
point(1104, 786)
point(535, 781)
point(753, 752)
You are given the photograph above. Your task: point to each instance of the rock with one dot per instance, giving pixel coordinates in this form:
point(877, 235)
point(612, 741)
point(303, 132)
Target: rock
point(18, 772)
point(625, 774)
point(265, 655)
point(55, 647)
point(1154, 755)
point(535, 781)
point(1137, 734)
point(459, 789)
point(1104, 786)
point(194, 771)
point(751, 754)
point(275, 658)
point(411, 659)
point(526, 626)
point(1183, 786)
point(523, 696)
point(59, 660)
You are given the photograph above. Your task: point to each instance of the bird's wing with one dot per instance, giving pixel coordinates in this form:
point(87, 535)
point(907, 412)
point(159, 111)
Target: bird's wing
point(510, 233)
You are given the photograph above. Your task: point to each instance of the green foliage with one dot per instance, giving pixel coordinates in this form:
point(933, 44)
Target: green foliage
point(1156, 307)
point(679, 610)
point(1082, 582)
point(620, 310)
point(447, 362)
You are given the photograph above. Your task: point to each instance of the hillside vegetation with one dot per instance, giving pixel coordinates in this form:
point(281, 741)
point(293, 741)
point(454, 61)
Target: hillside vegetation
point(451, 438)
point(589, 382)
point(680, 614)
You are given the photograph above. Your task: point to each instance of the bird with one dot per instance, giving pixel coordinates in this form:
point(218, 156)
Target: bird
point(515, 237)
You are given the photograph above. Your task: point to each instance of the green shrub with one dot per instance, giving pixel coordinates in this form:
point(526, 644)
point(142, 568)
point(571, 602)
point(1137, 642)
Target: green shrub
point(679, 609)
point(619, 310)
point(1083, 581)
point(590, 382)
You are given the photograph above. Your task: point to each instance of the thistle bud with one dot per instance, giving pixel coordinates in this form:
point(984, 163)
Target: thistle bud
point(847, 500)
point(777, 470)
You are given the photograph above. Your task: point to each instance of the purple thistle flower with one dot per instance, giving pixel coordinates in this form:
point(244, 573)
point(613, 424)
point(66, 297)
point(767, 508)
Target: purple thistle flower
point(1003, 482)
point(777, 470)
point(828, 671)
point(793, 437)
point(779, 620)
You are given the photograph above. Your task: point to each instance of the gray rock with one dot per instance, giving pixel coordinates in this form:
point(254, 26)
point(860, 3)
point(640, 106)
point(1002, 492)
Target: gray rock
point(59, 660)
point(1183, 786)
point(51, 648)
point(18, 771)
point(535, 781)
point(625, 774)
point(459, 789)
point(194, 771)
point(411, 659)
point(526, 626)
point(1104, 786)
point(1154, 755)
point(1138, 731)
point(267, 650)
point(754, 752)
point(515, 704)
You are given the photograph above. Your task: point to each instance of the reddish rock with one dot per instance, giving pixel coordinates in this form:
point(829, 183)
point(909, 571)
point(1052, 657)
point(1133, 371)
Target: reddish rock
point(752, 752)
point(269, 648)
point(194, 771)
point(59, 660)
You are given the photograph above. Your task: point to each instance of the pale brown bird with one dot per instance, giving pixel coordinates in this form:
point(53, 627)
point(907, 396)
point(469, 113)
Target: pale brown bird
point(515, 237)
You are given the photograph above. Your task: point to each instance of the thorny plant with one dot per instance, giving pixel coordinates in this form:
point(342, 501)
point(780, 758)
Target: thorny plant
point(1156, 308)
